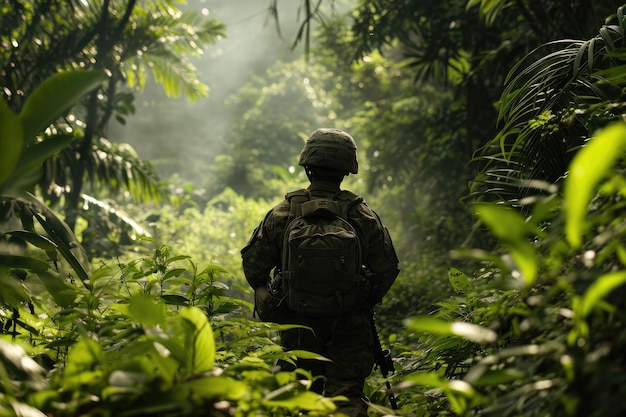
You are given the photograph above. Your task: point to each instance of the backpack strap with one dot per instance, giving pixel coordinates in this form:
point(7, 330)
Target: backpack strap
point(295, 199)
point(347, 200)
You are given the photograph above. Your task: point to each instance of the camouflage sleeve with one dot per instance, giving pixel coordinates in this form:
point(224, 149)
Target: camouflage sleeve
point(258, 256)
point(379, 255)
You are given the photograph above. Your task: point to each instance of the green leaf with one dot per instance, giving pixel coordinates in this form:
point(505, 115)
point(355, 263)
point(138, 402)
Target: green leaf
point(23, 262)
point(525, 257)
point(512, 229)
point(211, 271)
point(588, 167)
point(63, 293)
point(173, 273)
point(505, 223)
point(13, 293)
point(304, 400)
point(430, 379)
point(63, 237)
point(468, 331)
point(37, 152)
point(55, 96)
point(200, 342)
point(65, 342)
point(23, 179)
point(176, 258)
point(175, 299)
point(223, 308)
point(145, 309)
point(17, 356)
point(426, 379)
point(458, 280)
point(39, 241)
point(499, 376)
point(11, 140)
point(305, 354)
point(599, 289)
point(83, 357)
point(203, 390)
point(472, 3)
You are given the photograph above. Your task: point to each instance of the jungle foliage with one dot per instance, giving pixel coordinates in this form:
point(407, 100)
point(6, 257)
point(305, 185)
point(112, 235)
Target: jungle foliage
point(511, 300)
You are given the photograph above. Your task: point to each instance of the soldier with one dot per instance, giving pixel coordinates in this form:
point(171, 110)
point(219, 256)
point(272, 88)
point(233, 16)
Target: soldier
point(347, 337)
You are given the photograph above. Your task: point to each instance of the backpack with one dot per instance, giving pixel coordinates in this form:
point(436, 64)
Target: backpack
point(321, 258)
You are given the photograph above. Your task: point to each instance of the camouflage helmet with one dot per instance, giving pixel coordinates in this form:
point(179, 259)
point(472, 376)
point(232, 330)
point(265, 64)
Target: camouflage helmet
point(330, 148)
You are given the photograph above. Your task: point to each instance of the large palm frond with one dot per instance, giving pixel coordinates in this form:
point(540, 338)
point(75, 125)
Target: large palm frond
point(162, 44)
point(552, 102)
point(110, 165)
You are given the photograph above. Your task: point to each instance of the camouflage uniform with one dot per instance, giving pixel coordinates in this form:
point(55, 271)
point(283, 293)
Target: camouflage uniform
point(346, 340)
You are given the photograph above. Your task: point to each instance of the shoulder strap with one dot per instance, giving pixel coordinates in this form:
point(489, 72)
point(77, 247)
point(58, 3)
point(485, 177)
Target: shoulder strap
point(295, 199)
point(347, 200)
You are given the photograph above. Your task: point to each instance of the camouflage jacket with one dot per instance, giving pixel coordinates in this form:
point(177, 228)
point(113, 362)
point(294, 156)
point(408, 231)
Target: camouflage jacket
point(263, 252)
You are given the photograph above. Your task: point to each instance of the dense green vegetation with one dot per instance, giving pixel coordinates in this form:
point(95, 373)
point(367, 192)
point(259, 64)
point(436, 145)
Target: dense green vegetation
point(492, 139)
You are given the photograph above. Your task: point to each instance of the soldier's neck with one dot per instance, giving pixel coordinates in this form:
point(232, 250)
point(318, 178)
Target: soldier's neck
point(320, 185)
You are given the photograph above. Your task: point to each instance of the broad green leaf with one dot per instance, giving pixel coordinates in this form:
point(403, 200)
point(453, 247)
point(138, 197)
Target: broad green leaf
point(249, 364)
point(104, 273)
point(180, 281)
point(505, 223)
point(55, 96)
point(456, 390)
point(63, 293)
point(38, 240)
point(468, 331)
point(599, 289)
point(615, 75)
point(173, 273)
point(210, 389)
point(85, 356)
point(433, 380)
point(122, 308)
point(23, 179)
point(219, 285)
point(472, 3)
point(200, 341)
point(473, 332)
point(176, 258)
point(175, 299)
point(305, 354)
point(209, 273)
point(12, 293)
point(64, 239)
point(61, 343)
point(429, 325)
point(11, 140)
point(498, 376)
point(511, 228)
point(23, 262)
point(18, 357)
point(458, 280)
point(525, 257)
point(125, 379)
point(588, 167)
point(427, 379)
point(223, 308)
point(146, 309)
point(36, 153)
point(302, 400)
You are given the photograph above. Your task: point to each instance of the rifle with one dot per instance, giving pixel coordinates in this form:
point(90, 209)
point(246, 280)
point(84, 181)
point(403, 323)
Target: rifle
point(383, 360)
